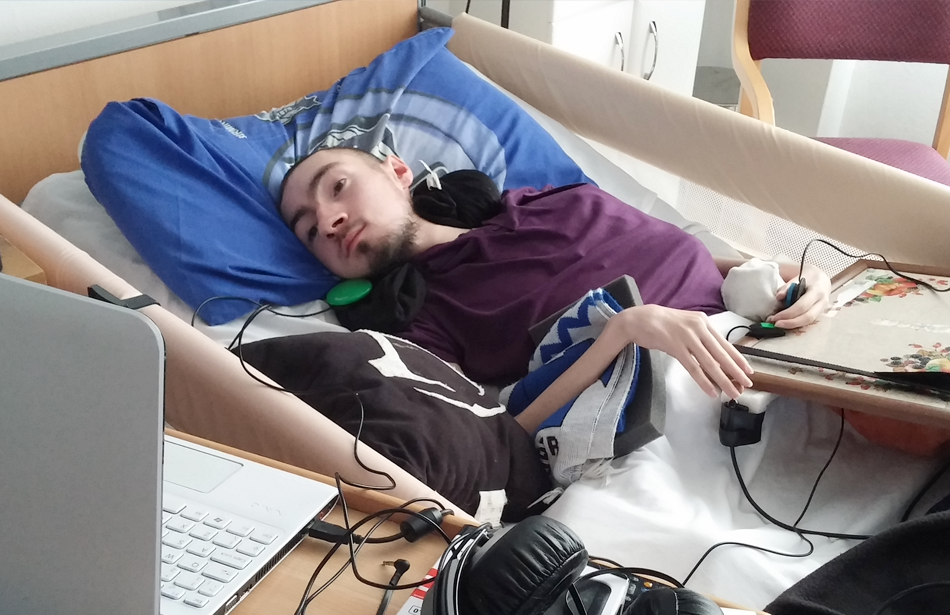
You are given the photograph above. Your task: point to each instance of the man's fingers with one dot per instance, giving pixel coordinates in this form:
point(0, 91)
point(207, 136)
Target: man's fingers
point(793, 311)
point(725, 383)
point(792, 318)
point(737, 357)
point(725, 360)
point(697, 373)
point(709, 365)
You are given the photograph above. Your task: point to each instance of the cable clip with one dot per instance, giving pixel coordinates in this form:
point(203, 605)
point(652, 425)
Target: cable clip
point(135, 303)
point(432, 180)
point(765, 330)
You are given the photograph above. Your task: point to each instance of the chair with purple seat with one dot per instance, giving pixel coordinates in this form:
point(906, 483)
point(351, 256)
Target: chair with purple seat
point(885, 30)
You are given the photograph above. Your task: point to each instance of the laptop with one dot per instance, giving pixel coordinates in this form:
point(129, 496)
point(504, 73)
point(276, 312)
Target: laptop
point(89, 523)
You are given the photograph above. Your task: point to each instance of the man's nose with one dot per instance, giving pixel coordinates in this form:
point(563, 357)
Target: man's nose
point(331, 222)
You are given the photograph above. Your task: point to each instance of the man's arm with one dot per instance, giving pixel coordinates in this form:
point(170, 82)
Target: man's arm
point(808, 307)
point(685, 335)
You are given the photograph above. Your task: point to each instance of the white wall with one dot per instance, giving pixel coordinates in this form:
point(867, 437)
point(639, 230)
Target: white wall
point(22, 20)
point(840, 98)
point(894, 100)
point(715, 47)
point(798, 90)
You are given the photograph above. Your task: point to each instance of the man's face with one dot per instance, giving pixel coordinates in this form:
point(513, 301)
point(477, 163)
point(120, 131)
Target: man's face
point(352, 212)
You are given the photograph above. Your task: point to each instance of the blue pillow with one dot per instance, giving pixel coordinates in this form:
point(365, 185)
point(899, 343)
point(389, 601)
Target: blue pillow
point(197, 197)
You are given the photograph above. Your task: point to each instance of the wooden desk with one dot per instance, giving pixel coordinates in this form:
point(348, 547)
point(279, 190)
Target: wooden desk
point(280, 591)
point(17, 264)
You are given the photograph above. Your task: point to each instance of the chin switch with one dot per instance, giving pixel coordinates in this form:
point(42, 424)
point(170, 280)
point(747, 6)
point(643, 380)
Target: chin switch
point(762, 330)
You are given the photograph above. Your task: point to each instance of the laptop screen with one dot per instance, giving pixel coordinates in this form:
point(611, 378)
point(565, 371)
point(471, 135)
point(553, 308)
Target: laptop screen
point(81, 390)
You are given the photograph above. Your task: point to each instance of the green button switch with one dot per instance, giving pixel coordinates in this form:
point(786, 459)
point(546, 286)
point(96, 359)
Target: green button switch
point(348, 291)
point(766, 325)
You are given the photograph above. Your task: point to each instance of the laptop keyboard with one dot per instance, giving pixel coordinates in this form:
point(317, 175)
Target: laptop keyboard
point(204, 550)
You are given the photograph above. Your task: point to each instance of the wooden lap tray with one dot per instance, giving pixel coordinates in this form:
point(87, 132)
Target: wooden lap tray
point(878, 322)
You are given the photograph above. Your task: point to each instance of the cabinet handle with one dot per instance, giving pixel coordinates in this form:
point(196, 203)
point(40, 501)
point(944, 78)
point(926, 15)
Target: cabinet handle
point(618, 39)
point(656, 50)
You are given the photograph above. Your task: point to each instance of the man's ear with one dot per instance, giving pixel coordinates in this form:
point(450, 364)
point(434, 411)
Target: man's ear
point(401, 170)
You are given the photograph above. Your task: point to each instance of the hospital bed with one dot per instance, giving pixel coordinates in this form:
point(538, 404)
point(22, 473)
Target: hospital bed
point(660, 507)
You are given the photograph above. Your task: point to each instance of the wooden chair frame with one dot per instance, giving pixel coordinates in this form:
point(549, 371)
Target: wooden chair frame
point(755, 100)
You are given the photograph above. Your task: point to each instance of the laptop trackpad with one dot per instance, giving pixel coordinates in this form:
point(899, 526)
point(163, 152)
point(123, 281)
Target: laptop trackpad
point(196, 470)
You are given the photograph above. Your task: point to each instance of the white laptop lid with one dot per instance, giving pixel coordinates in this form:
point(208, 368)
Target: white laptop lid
point(81, 489)
point(81, 390)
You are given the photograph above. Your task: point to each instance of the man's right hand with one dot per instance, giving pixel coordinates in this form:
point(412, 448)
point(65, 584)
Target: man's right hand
point(688, 337)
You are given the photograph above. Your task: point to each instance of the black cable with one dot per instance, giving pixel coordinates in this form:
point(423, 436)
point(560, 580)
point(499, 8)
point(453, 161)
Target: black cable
point(194, 315)
point(328, 532)
point(263, 307)
point(782, 524)
point(351, 544)
point(811, 549)
point(238, 339)
point(401, 567)
point(270, 308)
point(306, 598)
point(814, 486)
point(626, 571)
point(886, 264)
point(734, 328)
point(577, 607)
point(794, 527)
point(907, 592)
point(356, 439)
point(923, 490)
point(382, 516)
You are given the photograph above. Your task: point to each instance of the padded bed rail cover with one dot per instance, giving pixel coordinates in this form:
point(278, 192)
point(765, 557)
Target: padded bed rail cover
point(855, 200)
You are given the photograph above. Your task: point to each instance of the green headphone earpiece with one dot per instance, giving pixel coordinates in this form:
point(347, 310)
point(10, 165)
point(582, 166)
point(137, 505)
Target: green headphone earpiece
point(348, 291)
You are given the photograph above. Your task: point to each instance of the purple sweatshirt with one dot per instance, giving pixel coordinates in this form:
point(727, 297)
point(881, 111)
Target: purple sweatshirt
point(543, 252)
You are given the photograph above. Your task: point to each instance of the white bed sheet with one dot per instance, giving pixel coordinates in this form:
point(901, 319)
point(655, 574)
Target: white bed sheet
point(660, 507)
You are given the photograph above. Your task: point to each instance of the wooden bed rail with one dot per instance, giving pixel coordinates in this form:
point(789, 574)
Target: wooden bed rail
point(223, 73)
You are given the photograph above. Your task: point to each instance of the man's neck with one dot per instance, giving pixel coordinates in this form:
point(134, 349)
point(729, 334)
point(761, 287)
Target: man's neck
point(430, 234)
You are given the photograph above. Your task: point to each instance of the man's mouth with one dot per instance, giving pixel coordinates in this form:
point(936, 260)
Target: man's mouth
point(350, 241)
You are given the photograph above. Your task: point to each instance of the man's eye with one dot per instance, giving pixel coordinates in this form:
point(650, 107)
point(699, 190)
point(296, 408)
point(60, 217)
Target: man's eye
point(311, 233)
point(338, 187)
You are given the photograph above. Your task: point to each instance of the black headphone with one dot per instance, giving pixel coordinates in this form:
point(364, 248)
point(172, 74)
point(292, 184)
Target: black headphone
point(533, 568)
point(389, 302)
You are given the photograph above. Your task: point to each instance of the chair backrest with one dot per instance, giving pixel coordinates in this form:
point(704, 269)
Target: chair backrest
point(886, 30)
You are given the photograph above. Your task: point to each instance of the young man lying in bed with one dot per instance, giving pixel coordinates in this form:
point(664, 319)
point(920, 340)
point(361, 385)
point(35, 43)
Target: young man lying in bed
point(486, 286)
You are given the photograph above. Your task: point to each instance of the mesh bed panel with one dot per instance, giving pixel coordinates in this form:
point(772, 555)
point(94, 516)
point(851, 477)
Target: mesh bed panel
point(756, 232)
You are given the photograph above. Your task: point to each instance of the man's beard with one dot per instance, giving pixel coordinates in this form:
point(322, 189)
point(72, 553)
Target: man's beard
point(397, 250)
